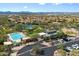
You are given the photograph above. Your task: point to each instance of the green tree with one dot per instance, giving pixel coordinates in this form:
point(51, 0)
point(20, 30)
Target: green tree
point(61, 46)
point(60, 52)
point(47, 39)
point(19, 27)
point(37, 51)
point(74, 53)
point(60, 34)
point(2, 40)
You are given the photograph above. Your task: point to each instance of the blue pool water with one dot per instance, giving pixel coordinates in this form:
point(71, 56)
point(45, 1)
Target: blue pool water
point(16, 36)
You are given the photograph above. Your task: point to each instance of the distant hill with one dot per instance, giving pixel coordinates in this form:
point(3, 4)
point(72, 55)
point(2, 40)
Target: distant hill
point(49, 13)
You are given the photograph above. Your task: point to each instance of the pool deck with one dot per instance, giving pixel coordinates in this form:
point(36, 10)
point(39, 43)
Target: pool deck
point(10, 37)
point(18, 40)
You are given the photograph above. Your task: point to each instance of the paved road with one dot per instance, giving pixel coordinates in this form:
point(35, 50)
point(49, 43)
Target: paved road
point(48, 51)
point(25, 51)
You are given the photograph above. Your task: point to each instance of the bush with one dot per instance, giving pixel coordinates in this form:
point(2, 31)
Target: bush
point(60, 34)
point(37, 51)
point(2, 40)
point(3, 48)
point(47, 39)
point(3, 54)
point(74, 53)
point(61, 52)
point(61, 46)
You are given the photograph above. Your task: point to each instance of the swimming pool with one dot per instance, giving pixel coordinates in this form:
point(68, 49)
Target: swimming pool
point(16, 36)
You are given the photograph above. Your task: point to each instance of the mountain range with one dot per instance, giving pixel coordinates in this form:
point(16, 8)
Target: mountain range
point(49, 13)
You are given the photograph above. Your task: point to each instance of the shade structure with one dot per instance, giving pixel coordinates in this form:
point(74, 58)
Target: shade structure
point(25, 38)
point(7, 43)
point(42, 33)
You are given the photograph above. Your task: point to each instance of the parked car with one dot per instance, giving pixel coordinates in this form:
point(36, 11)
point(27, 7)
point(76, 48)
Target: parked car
point(75, 46)
point(68, 49)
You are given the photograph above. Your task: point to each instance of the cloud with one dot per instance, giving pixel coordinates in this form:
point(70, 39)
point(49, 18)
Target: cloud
point(25, 7)
point(57, 3)
point(42, 3)
point(50, 3)
point(60, 3)
point(4, 8)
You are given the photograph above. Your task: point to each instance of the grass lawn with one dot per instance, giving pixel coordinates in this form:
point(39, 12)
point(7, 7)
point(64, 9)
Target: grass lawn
point(34, 33)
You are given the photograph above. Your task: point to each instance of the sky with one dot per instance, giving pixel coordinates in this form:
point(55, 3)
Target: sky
point(40, 7)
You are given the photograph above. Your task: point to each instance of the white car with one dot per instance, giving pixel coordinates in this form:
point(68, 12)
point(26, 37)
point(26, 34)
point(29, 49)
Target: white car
point(75, 46)
point(69, 48)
